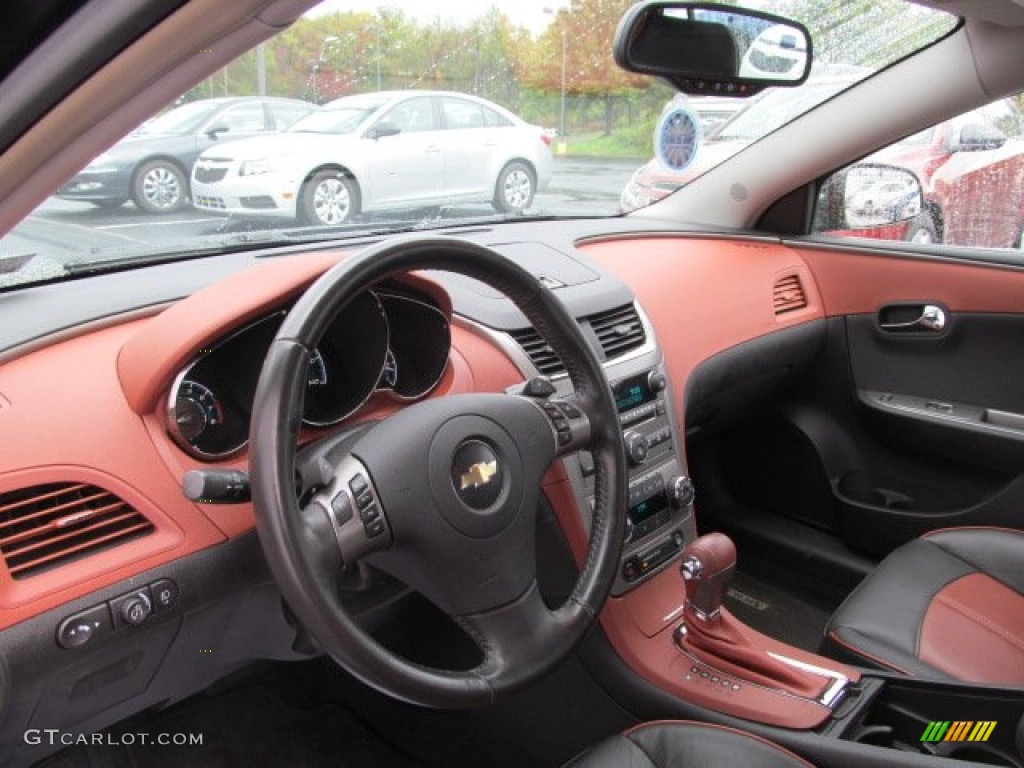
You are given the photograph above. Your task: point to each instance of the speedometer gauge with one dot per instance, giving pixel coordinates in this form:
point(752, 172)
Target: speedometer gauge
point(195, 410)
point(203, 422)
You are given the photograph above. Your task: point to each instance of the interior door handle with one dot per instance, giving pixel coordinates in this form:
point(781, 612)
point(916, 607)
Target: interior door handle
point(933, 319)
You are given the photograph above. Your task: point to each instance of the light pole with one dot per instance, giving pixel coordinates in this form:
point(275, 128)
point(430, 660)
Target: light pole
point(561, 112)
point(376, 47)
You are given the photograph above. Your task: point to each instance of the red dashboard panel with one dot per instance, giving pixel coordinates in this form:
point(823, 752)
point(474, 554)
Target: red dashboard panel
point(705, 295)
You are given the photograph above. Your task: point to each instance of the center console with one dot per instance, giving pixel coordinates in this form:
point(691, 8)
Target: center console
point(660, 518)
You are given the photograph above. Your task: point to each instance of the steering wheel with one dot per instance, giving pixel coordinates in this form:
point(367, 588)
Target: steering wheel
point(442, 494)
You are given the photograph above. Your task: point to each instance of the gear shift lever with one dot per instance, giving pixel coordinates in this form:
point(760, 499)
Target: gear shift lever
point(708, 566)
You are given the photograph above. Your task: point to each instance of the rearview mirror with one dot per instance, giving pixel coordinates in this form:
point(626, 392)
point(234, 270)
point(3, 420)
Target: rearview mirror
point(709, 49)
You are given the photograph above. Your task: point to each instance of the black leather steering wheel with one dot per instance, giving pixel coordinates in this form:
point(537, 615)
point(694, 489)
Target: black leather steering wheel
point(443, 494)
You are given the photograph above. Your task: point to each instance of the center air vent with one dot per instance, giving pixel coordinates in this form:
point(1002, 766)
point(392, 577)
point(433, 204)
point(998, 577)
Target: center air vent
point(49, 525)
point(617, 331)
point(789, 295)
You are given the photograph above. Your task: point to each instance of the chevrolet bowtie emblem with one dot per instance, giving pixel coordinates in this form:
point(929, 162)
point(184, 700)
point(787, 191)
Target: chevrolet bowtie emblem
point(478, 474)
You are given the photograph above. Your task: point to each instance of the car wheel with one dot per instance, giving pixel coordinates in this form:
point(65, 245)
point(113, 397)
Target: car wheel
point(329, 198)
point(515, 188)
point(922, 230)
point(109, 205)
point(159, 187)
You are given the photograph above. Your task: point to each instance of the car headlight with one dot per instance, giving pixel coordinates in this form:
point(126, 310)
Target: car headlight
point(255, 167)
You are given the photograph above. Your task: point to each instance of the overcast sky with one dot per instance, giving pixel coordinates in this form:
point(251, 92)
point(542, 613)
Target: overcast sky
point(527, 13)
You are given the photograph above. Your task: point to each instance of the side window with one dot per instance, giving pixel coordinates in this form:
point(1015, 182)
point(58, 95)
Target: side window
point(460, 114)
point(969, 171)
point(493, 119)
point(244, 117)
point(285, 114)
point(413, 115)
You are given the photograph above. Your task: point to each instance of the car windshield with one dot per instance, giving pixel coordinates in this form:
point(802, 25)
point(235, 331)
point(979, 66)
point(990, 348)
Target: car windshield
point(446, 153)
point(337, 118)
point(182, 120)
point(780, 105)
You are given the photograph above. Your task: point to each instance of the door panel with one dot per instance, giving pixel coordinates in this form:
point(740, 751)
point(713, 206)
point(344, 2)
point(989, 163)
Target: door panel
point(891, 432)
point(408, 167)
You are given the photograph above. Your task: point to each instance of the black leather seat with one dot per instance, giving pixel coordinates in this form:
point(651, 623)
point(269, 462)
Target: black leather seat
point(949, 605)
point(686, 745)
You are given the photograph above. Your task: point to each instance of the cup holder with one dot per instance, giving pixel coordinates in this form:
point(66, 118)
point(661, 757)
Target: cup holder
point(875, 735)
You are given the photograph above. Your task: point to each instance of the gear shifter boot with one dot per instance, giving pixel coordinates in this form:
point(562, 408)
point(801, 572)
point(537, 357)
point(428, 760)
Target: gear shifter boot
point(718, 638)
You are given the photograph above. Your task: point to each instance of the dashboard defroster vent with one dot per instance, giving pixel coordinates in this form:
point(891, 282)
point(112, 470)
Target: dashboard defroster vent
point(617, 331)
point(49, 525)
point(789, 295)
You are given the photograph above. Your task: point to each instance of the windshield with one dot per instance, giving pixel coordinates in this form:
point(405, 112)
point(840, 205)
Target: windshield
point(778, 106)
point(485, 113)
point(184, 119)
point(337, 118)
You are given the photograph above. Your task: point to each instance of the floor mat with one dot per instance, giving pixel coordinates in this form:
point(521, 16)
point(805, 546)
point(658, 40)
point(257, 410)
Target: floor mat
point(243, 728)
point(775, 612)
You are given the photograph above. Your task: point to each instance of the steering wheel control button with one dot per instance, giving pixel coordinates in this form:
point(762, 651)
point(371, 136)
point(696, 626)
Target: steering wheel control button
point(570, 410)
point(370, 514)
point(374, 528)
point(568, 421)
point(357, 485)
point(364, 499)
point(77, 630)
point(165, 595)
point(132, 609)
point(477, 475)
point(341, 508)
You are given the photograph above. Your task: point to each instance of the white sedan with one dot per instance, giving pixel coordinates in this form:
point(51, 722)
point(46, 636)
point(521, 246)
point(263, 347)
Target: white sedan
point(376, 152)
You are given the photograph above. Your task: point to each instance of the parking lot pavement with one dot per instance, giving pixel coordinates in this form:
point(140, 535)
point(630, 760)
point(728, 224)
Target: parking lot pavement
point(69, 231)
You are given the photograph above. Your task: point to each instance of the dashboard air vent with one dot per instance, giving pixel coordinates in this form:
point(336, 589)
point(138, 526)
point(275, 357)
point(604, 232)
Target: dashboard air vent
point(789, 295)
point(618, 331)
point(543, 356)
point(50, 525)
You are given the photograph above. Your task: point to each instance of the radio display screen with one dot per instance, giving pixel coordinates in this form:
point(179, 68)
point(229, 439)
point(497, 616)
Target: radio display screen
point(648, 508)
point(632, 392)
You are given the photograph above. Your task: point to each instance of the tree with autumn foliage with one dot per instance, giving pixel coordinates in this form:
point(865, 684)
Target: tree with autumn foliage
point(586, 30)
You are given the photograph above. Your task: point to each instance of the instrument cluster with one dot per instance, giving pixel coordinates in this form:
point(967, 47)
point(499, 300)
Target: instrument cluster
point(389, 339)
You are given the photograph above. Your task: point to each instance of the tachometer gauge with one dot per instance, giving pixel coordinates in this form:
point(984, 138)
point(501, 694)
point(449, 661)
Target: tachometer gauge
point(203, 423)
point(196, 409)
